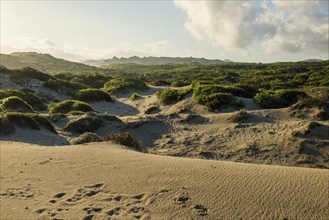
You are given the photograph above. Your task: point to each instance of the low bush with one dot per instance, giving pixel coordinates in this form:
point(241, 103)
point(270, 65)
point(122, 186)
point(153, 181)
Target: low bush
point(216, 101)
point(64, 86)
point(27, 96)
point(239, 117)
point(206, 90)
point(85, 123)
point(121, 84)
point(291, 95)
point(86, 138)
point(28, 120)
point(15, 104)
point(125, 139)
point(134, 96)
point(70, 105)
point(6, 127)
point(170, 96)
point(92, 80)
point(93, 95)
point(28, 73)
point(269, 99)
point(278, 98)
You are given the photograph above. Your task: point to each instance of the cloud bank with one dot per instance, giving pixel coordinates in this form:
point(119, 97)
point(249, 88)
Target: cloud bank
point(290, 26)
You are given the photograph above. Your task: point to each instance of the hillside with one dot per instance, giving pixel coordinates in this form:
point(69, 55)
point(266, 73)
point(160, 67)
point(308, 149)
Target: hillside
point(154, 61)
point(44, 62)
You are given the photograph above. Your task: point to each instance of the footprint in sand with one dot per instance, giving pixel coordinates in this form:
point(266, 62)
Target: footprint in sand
point(57, 196)
point(99, 204)
point(23, 193)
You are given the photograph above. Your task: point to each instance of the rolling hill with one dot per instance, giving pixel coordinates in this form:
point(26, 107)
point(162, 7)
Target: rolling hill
point(44, 62)
point(154, 61)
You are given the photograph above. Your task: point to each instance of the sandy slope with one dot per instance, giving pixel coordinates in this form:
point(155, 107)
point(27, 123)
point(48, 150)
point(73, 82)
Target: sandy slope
point(107, 181)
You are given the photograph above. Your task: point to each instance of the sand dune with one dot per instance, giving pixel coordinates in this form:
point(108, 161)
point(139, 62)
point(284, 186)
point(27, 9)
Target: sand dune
point(108, 181)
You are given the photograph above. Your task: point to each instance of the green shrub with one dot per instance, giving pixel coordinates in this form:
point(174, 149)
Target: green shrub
point(270, 99)
point(85, 123)
point(27, 120)
point(6, 127)
point(216, 101)
point(70, 105)
point(44, 122)
point(239, 117)
point(27, 96)
point(93, 95)
point(121, 84)
point(291, 95)
point(169, 96)
point(92, 80)
point(86, 138)
point(14, 103)
point(278, 98)
point(64, 86)
point(28, 73)
point(206, 90)
point(179, 83)
point(125, 139)
point(134, 96)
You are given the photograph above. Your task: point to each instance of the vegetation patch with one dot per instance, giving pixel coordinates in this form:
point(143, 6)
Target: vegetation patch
point(93, 95)
point(64, 86)
point(121, 84)
point(239, 117)
point(94, 80)
point(170, 96)
point(85, 123)
point(15, 104)
point(86, 138)
point(126, 139)
point(27, 96)
point(28, 73)
point(206, 90)
point(27, 120)
point(135, 96)
point(6, 127)
point(69, 106)
point(278, 98)
point(209, 96)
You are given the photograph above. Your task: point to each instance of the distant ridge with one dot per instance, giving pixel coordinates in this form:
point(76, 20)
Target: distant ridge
point(43, 62)
point(154, 61)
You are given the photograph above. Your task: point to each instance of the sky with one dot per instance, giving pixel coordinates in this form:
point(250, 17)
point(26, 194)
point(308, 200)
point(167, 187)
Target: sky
point(244, 31)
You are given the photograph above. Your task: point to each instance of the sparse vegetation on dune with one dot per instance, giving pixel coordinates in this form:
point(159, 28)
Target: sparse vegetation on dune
point(278, 98)
point(86, 138)
point(65, 87)
point(29, 73)
point(68, 106)
point(25, 120)
point(93, 95)
point(85, 123)
point(134, 96)
point(170, 96)
point(93, 80)
point(126, 139)
point(15, 104)
point(27, 96)
point(122, 84)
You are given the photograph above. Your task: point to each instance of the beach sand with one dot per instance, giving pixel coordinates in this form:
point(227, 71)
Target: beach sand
point(109, 181)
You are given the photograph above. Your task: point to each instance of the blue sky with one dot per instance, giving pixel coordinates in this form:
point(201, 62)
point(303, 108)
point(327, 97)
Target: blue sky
point(250, 31)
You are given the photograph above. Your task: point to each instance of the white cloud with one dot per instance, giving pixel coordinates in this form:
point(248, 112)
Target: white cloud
point(291, 26)
point(156, 46)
